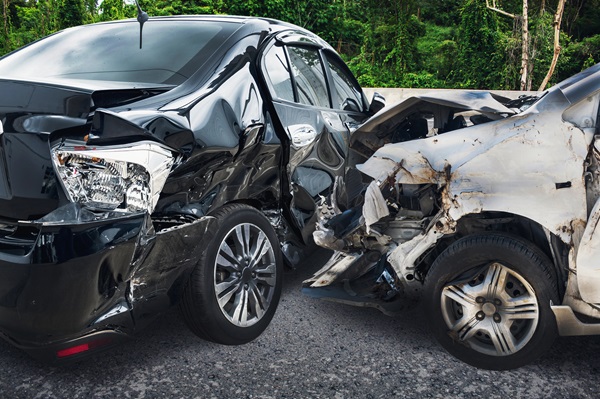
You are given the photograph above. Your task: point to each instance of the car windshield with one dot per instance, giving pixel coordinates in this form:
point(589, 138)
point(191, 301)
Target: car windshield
point(172, 51)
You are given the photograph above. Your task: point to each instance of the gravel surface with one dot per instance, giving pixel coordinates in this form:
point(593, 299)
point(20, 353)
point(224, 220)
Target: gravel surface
point(312, 349)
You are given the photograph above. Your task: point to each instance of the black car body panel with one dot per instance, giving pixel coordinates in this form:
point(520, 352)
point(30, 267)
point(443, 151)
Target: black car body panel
point(78, 278)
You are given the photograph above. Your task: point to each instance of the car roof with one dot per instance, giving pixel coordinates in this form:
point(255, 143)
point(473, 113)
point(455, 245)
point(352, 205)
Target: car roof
point(274, 24)
point(247, 24)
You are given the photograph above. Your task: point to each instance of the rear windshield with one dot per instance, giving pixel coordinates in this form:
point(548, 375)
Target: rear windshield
point(172, 50)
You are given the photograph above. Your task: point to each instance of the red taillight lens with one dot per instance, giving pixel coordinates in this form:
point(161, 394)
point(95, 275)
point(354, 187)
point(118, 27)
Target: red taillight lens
point(73, 350)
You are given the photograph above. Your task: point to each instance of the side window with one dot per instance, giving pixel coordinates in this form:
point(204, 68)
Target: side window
point(277, 73)
point(309, 76)
point(349, 94)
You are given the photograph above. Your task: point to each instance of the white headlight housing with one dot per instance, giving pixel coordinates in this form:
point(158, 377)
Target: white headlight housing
point(127, 178)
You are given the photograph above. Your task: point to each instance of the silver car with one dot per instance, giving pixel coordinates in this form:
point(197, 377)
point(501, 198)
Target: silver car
point(487, 207)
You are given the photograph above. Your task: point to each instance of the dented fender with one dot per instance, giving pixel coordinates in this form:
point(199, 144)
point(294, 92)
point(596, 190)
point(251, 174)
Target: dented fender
point(514, 165)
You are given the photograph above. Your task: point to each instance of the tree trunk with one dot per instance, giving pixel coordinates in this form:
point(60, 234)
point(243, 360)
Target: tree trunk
point(526, 67)
point(524, 46)
point(557, 48)
point(5, 15)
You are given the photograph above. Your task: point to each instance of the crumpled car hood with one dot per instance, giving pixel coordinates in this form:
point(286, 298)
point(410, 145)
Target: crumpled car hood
point(460, 100)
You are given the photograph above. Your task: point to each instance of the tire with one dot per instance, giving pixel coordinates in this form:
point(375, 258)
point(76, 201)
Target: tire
point(488, 300)
point(234, 289)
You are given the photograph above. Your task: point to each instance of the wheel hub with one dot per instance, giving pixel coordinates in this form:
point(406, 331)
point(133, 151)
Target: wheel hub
point(488, 309)
point(246, 275)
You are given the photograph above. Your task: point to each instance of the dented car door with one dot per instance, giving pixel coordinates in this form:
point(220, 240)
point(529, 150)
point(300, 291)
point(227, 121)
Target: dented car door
point(315, 98)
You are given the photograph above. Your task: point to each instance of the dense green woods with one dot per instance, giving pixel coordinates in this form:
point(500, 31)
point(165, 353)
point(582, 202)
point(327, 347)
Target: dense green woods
point(387, 43)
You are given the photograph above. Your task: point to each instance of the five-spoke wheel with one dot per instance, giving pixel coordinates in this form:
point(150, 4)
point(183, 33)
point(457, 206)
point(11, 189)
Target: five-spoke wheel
point(488, 298)
point(496, 311)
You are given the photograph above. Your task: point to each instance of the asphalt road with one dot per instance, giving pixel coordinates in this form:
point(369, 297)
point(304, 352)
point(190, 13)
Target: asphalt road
point(313, 349)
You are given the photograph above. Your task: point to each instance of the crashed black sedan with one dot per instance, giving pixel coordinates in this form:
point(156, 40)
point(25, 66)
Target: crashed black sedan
point(175, 164)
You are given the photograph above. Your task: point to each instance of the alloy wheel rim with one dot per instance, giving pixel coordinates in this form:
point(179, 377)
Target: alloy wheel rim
point(494, 312)
point(245, 275)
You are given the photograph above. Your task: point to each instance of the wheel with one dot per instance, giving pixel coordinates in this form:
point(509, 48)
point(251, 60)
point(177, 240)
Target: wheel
point(488, 299)
point(234, 289)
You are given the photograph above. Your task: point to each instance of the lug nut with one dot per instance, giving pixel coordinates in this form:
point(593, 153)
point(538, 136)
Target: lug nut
point(480, 315)
point(480, 299)
point(497, 302)
point(497, 318)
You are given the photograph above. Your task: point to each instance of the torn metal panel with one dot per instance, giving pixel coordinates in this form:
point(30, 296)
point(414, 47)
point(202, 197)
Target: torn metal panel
point(403, 258)
point(588, 267)
point(333, 269)
point(482, 101)
point(375, 207)
point(484, 162)
point(156, 284)
point(409, 167)
point(454, 99)
point(573, 297)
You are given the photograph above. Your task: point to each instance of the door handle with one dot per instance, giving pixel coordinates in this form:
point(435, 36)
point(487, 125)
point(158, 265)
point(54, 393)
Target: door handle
point(302, 135)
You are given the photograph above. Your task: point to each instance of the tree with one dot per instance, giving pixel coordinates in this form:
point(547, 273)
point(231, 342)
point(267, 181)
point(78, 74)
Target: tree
point(523, 21)
point(6, 24)
point(479, 52)
point(557, 48)
point(393, 43)
point(111, 10)
point(70, 13)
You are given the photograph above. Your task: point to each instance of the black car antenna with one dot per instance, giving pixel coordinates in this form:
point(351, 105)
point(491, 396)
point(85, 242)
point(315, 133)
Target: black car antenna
point(142, 17)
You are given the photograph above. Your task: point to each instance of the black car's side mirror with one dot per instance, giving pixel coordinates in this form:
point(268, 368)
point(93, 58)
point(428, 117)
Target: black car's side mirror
point(377, 103)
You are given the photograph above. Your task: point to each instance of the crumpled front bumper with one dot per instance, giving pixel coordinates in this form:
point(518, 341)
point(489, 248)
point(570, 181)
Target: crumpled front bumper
point(79, 282)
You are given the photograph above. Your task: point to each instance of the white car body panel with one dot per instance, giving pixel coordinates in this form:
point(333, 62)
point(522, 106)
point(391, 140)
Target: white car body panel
point(535, 164)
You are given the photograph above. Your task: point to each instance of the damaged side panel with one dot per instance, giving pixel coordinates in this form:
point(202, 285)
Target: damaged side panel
point(157, 283)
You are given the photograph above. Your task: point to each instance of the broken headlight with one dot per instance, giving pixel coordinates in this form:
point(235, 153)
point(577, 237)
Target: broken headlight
point(125, 178)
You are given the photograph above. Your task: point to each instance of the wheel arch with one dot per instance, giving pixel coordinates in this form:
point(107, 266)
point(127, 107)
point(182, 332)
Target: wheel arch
point(247, 201)
point(513, 225)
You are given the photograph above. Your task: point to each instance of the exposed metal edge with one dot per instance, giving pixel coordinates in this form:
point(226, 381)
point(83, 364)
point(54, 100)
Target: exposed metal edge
point(396, 95)
point(569, 325)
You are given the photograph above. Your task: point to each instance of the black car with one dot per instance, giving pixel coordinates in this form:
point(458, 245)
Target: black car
point(180, 163)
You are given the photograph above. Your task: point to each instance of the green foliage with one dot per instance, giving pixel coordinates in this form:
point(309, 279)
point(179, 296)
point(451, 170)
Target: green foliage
point(421, 79)
point(580, 55)
point(444, 13)
point(479, 55)
point(70, 13)
point(582, 19)
point(178, 7)
point(111, 10)
point(386, 43)
point(437, 51)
